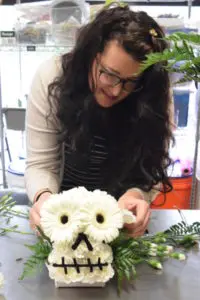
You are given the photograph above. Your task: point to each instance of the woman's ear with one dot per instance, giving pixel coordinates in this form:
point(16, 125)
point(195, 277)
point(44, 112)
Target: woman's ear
point(98, 56)
point(93, 74)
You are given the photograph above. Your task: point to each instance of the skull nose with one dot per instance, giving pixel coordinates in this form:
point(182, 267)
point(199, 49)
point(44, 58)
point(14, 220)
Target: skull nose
point(82, 237)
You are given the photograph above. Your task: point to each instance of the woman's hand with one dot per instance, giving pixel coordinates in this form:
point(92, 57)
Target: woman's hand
point(34, 214)
point(133, 201)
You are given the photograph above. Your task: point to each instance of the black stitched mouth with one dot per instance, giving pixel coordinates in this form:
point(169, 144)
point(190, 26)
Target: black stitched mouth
point(78, 266)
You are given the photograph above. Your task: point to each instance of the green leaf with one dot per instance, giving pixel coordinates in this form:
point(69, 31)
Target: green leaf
point(134, 273)
point(187, 241)
point(128, 273)
point(32, 266)
point(184, 48)
point(109, 3)
point(5, 197)
point(193, 38)
point(41, 249)
point(154, 264)
point(43, 235)
point(120, 278)
point(182, 229)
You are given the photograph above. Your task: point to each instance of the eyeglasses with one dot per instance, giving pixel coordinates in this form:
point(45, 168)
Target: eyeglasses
point(109, 79)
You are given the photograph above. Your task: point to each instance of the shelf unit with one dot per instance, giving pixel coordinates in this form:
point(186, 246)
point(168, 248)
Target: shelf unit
point(29, 34)
point(35, 48)
point(22, 52)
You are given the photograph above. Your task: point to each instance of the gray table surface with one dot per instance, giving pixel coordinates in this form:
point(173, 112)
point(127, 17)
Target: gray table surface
point(177, 281)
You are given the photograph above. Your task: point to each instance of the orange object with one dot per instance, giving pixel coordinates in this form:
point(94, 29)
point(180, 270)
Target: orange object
point(179, 197)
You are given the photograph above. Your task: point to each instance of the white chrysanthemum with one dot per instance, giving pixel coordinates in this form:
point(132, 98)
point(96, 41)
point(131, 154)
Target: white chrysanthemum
point(69, 273)
point(1, 280)
point(170, 249)
point(152, 253)
point(153, 246)
point(59, 275)
point(99, 275)
point(155, 264)
point(182, 256)
point(102, 217)
point(59, 216)
point(104, 253)
point(128, 216)
point(82, 251)
point(179, 256)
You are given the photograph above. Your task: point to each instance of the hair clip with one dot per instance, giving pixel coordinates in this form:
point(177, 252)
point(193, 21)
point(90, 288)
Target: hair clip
point(153, 32)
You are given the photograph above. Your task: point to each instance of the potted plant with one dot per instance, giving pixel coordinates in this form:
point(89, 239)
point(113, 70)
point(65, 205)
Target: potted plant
point(185, 49)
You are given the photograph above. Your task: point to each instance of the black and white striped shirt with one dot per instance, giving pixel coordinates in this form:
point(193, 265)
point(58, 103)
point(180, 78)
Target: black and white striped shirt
point(84, 169)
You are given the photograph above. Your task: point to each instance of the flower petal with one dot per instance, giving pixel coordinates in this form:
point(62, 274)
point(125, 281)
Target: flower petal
point(128, 216)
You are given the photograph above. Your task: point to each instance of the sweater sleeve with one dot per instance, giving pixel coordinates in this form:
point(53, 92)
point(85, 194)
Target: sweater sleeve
point(43, 162)
point(148, 196)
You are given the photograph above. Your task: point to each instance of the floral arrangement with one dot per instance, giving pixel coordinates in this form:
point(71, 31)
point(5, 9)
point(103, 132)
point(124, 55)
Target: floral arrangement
point(82, 240)
point(79, 226)
point(83, 243)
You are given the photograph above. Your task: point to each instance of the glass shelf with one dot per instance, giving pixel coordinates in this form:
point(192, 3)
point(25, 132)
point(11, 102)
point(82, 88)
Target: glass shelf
point(35, 48)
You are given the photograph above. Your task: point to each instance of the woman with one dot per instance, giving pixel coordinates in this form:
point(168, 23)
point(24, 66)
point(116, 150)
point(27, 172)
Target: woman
point(93, 120)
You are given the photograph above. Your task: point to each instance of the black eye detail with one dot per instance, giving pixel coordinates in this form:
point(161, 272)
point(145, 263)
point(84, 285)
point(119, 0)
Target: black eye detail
point(64, 219)
point(100, 218)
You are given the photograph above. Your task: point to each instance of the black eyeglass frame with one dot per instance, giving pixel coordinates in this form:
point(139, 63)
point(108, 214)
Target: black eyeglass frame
point(120, 80)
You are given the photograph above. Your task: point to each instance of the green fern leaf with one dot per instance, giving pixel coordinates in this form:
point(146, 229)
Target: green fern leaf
point(32, 266)
point(128, 274)
point(41, 248)
point(193, 38)
point(120, 278)
point(43, 236)
point(187, 241)
point(195, 227)
point(185, 49)
point(182, 228)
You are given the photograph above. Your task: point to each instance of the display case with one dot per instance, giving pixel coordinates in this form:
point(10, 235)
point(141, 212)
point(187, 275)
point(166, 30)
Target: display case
point(32, 32)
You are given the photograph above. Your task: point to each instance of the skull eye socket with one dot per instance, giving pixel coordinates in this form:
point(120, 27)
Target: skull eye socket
point(64, 219)
point(100, 218)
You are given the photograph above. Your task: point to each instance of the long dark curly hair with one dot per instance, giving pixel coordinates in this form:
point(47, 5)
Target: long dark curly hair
point(137, 130)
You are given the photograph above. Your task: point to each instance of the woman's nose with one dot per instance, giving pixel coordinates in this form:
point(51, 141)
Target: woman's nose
point(116, 90)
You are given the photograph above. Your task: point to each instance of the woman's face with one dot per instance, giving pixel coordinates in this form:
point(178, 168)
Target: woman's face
point(114, 75)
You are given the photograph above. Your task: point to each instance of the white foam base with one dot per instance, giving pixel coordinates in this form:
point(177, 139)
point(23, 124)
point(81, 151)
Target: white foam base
point(59, 284)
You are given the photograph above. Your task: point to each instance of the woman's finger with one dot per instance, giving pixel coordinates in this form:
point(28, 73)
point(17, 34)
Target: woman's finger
point(143, 227)
point(142, 215)
point(138, 234)
point(142, 209)
point(34, 219)
point(139, 231)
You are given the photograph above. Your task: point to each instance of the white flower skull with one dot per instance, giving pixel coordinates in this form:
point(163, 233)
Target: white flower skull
point(81, 224)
